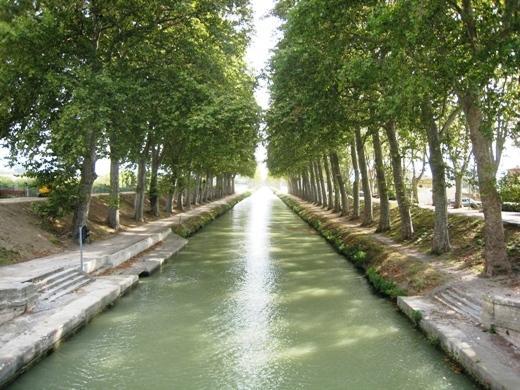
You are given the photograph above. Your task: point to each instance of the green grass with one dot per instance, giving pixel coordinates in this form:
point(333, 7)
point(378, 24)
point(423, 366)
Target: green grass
point(8, 256)
point(190, 225)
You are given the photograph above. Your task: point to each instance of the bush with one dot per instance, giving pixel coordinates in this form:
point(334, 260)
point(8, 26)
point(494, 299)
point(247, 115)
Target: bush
point(61, 200)
point(383, 285)
point(509, 187)
point(191, 225)
point(511, 206)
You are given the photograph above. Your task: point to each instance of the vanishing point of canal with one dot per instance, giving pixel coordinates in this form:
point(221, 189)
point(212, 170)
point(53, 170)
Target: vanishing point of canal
point(257, 300)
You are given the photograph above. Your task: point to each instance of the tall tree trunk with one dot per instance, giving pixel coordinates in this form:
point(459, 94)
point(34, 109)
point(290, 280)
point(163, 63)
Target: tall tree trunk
point(188, 191)
point(368, 216)
point(209, 186)
point(153, 195)
point(458, 191)
point(88, 176)
point(355, 185)
point(330, 188)
point(170, 197)
point(197, 190)
point(441, 239)
point(169, 202)
point(336, 171)
point(141, 183)
point(337, 198)
point(315, 197)
point(384, 206)
point(497, 261)
point(180, 200)
point(140, 190)
point(204, 190)
point(400, 189)
point(113, 201)
point(307, 187)
point(415, 191)
point(319, 169)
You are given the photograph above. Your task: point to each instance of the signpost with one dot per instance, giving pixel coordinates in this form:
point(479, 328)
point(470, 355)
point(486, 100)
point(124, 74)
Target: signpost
point(81, 247)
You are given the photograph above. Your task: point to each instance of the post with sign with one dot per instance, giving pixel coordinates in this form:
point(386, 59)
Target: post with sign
point(81, 247)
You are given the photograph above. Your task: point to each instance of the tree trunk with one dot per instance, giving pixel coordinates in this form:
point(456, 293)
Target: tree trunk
point(355, 185)
point(384, 206)
point(197, 190)
point(188, 191)
point(88, 176)
point(319, 169)
point(113, 201)
point(204, 189)
point(400, 188)
point(441, 239)
point(458, 191)
point(141, 183)
point(140, 190)
point(497, 261)
point(307, 187)
point(208, 187)
point(313, 184)
point(415, 191)
point(336, 171)
point(330, 198)
point(169, 202)
point(153, 195)
point(337, 201)
point(368, 216)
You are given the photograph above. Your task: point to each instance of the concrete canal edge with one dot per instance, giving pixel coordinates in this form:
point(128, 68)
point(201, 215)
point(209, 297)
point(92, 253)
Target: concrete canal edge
point(42, 333)
point(465, 344)
point(28, 338)
point(482, 355)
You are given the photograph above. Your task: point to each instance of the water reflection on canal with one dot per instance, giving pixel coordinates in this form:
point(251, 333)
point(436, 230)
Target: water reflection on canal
point(257, 300)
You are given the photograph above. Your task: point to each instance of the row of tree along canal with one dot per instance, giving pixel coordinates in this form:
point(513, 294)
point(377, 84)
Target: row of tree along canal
point(404, 84)
point(161, 86)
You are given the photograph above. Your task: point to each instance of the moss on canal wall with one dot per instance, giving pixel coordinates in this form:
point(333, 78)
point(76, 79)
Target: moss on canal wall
point(389, 271)
point(192, 224)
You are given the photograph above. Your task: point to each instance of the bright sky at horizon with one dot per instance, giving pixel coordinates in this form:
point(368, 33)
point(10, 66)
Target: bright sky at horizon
point(265, 37)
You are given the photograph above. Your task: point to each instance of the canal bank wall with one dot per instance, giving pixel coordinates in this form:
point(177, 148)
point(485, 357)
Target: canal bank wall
point(388, 270)
point(60, 299)
point(446, 307)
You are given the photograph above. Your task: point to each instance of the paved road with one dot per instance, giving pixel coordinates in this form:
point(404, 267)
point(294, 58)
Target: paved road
point(508, 217)
point(35, 199)
point(21, 200)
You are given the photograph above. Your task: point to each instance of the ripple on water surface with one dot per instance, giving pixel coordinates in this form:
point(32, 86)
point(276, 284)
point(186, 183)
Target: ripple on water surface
point(257, 300)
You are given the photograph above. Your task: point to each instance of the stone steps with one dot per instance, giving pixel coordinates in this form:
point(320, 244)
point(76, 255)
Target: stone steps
point(458, 301)
point(59, 283)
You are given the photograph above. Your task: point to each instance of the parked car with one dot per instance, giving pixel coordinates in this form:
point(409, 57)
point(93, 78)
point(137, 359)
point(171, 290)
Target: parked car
point(471, 203)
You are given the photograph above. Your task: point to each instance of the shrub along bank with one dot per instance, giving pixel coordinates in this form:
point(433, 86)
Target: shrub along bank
point(389, 271)
point(192, 224)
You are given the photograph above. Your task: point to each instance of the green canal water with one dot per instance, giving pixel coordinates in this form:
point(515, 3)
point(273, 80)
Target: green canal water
point(257, 300)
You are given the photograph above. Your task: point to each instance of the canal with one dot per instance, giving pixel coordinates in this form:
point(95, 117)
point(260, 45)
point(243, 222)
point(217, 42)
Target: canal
point(257, 300)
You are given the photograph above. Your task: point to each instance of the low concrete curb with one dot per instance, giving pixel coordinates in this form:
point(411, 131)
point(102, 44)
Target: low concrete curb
point(29, 338)
point(152, 260)
point(483, 355)
point(119, 257)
